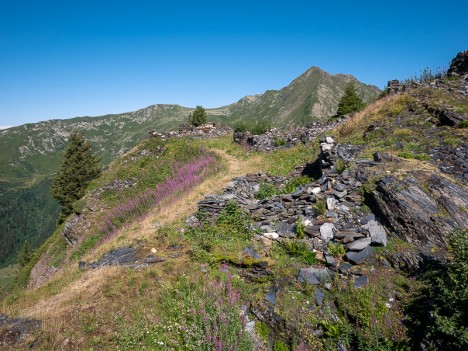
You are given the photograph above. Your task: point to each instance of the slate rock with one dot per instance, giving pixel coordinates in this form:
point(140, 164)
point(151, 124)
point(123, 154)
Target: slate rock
point(409, 211)
point(340, 187)
point(340, 194)
point(271, 295)
point(250, 251)
point(344, 267)
point(151, 259)
point(360, 280)
point(377, 233)
point(357, 257)
point(313, 275)
point(319, 296)
point(359, 244)
point(368, 218)
point(285, 230)
point(331, 261)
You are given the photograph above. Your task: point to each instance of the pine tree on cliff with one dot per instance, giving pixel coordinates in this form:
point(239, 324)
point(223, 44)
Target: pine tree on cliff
point(79, 167)
point(350, 102)
point(25, 255)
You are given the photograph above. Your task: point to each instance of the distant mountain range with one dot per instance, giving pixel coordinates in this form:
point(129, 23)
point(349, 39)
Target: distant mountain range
point(32, 153)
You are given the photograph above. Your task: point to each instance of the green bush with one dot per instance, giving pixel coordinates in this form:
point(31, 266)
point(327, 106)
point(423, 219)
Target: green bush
point(198, 116)
point(300, 227)
point(336, 250)
point(448, 291)
point(299, 250)
point(320, 206)
point(463, 124)
point(256, 128)
point(266, 190)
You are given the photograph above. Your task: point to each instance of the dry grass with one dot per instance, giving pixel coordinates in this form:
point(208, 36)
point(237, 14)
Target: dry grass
point(58, 299)
point(362, 119)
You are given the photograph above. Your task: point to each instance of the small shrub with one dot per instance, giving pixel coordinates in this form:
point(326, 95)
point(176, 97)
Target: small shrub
point(266, 190)
point(241, 127)
point(299, 250)
point(422, 157)
point(292, 185)
point(299, 225)
point(336, 250)
point(405, 154)
point(256, 128)
point(263, 331)
point(340, 165)
point(261, 127)
point(320, 206)
point(279, 142)
point(463, 124)
point(280, 346)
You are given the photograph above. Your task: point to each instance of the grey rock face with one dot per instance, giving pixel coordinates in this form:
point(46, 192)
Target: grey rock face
point(416, 215)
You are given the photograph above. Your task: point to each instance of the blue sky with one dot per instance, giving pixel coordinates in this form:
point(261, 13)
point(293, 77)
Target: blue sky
point(61, 59)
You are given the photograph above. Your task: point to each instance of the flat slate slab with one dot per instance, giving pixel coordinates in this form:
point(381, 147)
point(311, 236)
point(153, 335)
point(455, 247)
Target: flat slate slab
point(314, 276)
point(358, 245)
point(357, 257)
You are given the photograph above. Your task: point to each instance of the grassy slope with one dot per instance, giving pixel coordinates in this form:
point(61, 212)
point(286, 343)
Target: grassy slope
point(33, 152)
point(113, 308)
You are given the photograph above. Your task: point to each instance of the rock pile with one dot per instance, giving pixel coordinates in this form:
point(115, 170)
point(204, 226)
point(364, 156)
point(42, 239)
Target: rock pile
point(209, 130)
point(277, 139)
point(329, 209)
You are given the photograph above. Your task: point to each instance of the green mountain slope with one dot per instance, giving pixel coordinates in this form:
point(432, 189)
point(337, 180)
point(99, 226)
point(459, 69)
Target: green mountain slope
point(311, 97)
point(32, 152)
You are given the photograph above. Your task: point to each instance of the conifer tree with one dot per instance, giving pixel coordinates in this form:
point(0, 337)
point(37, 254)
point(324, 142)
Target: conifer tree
point(198, 116)
point(25, 255)
point(79, 167)
point(350, 102)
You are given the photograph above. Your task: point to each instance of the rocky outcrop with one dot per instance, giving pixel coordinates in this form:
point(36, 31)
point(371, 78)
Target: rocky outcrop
point(209, 130)
point(18, 332)
point(281, 139)
point(459, 65)
point(421, 216)
point(446, 117)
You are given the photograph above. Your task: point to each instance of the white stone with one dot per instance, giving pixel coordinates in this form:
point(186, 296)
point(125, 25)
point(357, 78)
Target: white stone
point(327, 231)
point(331, 203)
point(316, 190)
point(307, 222)
point(271, 235)
point(329, 140)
